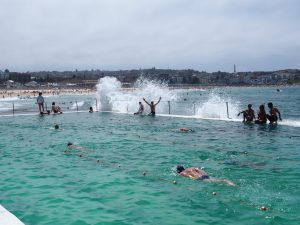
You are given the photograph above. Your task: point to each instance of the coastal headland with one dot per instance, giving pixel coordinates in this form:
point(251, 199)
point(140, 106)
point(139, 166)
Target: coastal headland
point(187, 78)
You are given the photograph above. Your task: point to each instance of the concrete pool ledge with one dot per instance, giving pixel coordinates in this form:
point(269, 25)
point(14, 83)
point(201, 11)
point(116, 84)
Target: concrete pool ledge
point(7, 218)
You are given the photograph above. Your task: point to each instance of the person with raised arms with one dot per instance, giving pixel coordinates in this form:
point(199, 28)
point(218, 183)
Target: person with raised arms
point(152, 106)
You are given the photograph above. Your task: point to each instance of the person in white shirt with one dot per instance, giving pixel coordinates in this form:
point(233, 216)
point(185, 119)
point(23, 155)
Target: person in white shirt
point(40, 102)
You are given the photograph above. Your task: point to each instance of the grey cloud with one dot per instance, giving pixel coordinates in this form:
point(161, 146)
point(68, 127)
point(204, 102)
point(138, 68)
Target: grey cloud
point(205, 35)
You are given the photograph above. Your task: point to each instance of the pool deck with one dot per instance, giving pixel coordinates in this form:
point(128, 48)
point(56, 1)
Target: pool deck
point(7, 218)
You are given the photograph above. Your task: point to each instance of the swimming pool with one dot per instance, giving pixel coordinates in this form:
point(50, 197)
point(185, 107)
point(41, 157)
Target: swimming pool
point(43, 182)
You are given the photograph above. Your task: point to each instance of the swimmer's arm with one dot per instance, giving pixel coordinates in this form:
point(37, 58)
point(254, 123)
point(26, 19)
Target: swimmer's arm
point(196, 170)
point(146, 101)
point(279, 115)
point(186, 174)
point(158, 101)
point(240, 113)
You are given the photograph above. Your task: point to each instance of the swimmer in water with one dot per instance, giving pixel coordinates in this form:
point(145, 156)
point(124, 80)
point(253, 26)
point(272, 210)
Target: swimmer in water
point(185, 130)
point(91, 110)
point(70, 145)
point(152, 106)
point(56, 126)
point(272, 117)
point(55, 108)
point(198, 174)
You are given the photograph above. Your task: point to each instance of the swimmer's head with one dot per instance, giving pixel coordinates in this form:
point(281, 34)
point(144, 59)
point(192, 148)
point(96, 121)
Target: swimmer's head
point(53, 103)
point(152, 103)
point(270, 104)
point(249, 106)
point(40, 93)
point(140, 103)
point(262, 107)
point(57, 127)
point(179, 169)
point(69, 144)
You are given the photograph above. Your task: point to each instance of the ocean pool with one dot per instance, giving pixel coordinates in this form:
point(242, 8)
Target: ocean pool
point(125, 173)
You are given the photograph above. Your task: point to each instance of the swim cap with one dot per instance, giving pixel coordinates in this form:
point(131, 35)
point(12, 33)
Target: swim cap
point(70, 143)
point(179, 169)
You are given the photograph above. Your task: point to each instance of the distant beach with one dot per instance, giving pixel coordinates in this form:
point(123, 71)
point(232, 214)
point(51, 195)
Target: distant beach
point(26, 93)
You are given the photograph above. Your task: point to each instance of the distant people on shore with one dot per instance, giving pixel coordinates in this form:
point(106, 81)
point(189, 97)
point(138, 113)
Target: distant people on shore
point(141, 109)
point(274, 114)
point(55, 108)
point(248, 114)
point(40, 101)
point(261, 115)
point(152, 106)
point(198, 174)
point(91, 110)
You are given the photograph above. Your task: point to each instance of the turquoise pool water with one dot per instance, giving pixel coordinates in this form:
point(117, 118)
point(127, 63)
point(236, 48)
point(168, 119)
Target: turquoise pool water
point(43, 182)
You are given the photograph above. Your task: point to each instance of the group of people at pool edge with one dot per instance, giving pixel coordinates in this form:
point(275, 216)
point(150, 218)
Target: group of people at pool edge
point(248, 114)
point(54, 108)
point(262, 116)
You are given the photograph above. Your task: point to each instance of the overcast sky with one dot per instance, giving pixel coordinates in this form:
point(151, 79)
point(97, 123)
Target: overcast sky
point(208, 35)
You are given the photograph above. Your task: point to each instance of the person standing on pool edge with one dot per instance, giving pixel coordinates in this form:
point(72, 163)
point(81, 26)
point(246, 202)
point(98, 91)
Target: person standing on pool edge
point(152, 106)
point(40, 101)
point(273, 113)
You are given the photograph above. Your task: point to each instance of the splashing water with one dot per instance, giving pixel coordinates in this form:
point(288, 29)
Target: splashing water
point(113, 98)
point(107, 88)
point(215, 108)
point(79, 104)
